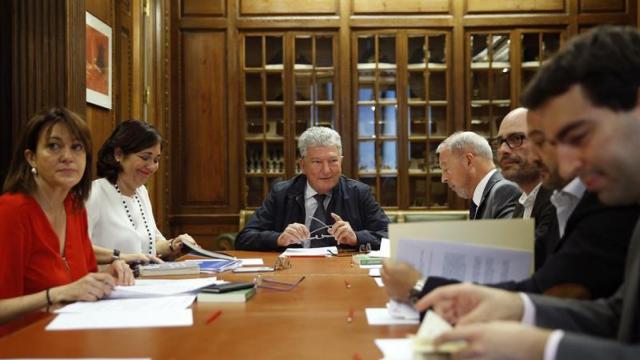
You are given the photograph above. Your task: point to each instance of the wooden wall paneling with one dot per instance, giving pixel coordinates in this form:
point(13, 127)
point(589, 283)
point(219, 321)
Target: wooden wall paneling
point(401, 6)
point(203, 127)
point(6, 94)
point(484, 6)
point(603, 5)
point(342, 62)
point(75, 74)
point(234, 155)
point(457, 62)
point(203, 8)
point(288, 7)
point(124, 54)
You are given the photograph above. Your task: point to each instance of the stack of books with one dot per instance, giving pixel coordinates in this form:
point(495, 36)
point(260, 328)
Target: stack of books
point(364, 259)
point(216, 266)
point(170, 268)
point(237, 296)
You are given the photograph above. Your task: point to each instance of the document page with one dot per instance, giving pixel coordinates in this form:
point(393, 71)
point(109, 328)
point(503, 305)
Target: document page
point(319, 251)
point(152, 288)
point(120, 319)
point(159, 304)
point(465, 262)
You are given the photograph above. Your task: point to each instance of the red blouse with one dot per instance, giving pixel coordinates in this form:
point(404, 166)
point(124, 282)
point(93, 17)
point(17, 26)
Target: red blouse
point(30, 259)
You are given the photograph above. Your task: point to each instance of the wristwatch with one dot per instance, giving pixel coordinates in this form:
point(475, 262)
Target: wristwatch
point(416, 290)
point(116, 255)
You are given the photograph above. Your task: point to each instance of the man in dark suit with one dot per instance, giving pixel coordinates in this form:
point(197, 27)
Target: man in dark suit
point(467, 167)
point(521, 165)
point(318, 208)
point(589, 102)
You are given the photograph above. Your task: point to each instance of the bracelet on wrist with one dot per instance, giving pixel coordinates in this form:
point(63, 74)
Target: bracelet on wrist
point(49, 302)
point(116, 255)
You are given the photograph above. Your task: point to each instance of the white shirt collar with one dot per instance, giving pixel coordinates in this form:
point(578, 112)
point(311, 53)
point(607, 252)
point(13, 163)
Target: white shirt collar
point(477, 193)
point(575, 189)
point(309, 191)
point(528, 199)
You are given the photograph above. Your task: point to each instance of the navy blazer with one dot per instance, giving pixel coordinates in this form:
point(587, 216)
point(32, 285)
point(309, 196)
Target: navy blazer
point(350, 199)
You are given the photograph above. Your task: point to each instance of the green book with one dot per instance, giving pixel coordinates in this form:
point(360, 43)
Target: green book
point(237, 296)
point(363, 259)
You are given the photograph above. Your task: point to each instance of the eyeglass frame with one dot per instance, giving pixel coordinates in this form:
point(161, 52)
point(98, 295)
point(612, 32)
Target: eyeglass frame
point(513, 140)
point(259, 282)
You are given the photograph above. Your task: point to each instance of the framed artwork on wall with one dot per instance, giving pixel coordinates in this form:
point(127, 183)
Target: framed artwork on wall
point(99, 64)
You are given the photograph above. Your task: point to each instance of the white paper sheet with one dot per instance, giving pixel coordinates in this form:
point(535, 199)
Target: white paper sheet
point(152, 288)
point(252, 262)
point(381, 316)
point(465, 262)
point(120, 319)
point(319, 251)
point(385, 249)
point(374, 272)
point(159, 304)
point(433, 326)
point(395, 349)
point(400, 310)
point(379, 281)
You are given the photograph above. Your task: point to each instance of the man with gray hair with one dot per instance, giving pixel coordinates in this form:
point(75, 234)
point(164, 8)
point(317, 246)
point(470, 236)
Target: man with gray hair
point(467, 167)
point(319, 207)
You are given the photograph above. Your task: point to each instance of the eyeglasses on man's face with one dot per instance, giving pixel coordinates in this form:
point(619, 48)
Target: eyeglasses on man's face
point(513, 141)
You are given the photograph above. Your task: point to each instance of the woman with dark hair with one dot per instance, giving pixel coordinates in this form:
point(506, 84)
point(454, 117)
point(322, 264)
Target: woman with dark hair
point(119, 208)
point(46, 256)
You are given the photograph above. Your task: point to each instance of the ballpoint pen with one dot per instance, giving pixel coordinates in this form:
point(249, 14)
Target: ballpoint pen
point(213, 317)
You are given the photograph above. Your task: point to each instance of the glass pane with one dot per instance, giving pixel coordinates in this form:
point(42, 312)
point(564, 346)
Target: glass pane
point(418, 192)
point(324, 115)
point(366, 120)
point(274, 162)
point(479, 52)
point(254, 190)
point(387, 50)
point(324, 86)
point(437, 121)
point(416, 51)
point(303, 119)
point(275, 122)
point(433, 163)
point(550, 44)
point(253, 86)
point(274, 87)
point(366, 50)
point(387, 85)
point(417, 124)
point(500, 49)
point(480, 121)
point(254, 121)
point(416, 86)
point(389, 191)
point(499, 112)
point(367, 156)
point(324, 51)
point(530, 49)
point(254, 159)
point(388, 120)
point(371, 181)
point(388, 157)
point(437, 86)
point(366, 81)
point(304, 54)
point(479, 85)
point(437, 49)
point(527, 75)
point(417, 154)
point(253, 51)
point(274, 51)
point(438, 192)
point(501, 83)
point(303, 86)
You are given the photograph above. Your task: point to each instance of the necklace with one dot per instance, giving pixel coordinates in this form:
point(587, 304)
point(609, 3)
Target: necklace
point(144, 218)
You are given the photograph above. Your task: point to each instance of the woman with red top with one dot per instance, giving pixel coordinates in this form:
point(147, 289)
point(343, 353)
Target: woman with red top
point(46, 256)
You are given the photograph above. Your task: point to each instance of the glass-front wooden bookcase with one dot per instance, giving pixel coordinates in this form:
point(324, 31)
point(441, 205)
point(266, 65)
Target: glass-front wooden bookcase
point(401, 113)
point(289, 84)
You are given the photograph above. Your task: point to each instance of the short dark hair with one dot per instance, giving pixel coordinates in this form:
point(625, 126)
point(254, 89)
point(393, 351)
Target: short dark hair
point(605, 62)
point(21, 180)
point(129, 136)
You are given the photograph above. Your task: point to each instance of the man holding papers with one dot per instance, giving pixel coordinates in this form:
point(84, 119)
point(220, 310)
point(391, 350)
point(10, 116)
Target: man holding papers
point(318, 208)
point(589, 104)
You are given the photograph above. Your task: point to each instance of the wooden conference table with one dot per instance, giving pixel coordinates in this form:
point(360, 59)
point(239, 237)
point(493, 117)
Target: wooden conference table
point(308, 322)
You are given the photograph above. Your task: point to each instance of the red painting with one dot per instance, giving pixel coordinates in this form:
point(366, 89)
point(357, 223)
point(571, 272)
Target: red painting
point(97, 61)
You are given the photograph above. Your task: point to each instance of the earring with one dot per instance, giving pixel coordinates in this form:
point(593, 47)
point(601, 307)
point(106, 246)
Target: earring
point(34, 171)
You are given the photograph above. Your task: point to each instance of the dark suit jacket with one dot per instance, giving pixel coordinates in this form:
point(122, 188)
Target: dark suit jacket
point(499, 198)
point(350, 199)
point(616, 317)
point(547, 233)
point(591, 253)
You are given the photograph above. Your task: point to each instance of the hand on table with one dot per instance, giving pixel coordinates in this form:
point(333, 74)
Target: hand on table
point(91, 287)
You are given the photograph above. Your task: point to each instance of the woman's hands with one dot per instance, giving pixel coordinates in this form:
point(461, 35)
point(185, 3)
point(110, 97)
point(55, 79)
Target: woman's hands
point(92, 287)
